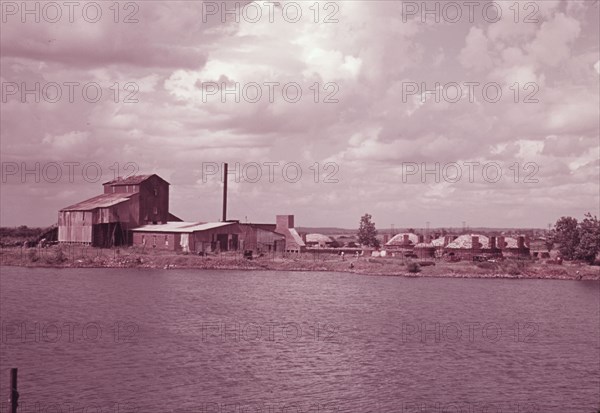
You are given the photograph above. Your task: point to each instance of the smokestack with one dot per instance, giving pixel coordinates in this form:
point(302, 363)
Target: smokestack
point(224, 192)
point(521, 242)
point(474, 242)
point(492, 243)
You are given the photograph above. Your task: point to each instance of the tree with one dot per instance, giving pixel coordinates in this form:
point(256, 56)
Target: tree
point(589, 239)
point(566, 234)
point(549, 242)
point(367, 234)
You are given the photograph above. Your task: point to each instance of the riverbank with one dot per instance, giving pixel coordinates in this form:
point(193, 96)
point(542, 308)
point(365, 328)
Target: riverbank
point(87, 257)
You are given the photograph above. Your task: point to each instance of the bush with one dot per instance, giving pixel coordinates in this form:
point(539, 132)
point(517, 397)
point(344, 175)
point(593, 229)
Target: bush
point(486, 265)
point(32, 255)
point(59, 255)
point(413, 267)
point(512, 268)
point(426, 263)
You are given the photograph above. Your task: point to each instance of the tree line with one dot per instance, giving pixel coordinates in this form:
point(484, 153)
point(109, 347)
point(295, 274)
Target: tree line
point(574, 240)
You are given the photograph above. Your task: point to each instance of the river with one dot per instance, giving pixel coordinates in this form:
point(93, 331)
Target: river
point(124, 340)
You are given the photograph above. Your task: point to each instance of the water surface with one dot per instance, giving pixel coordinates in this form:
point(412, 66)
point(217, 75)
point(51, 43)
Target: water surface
point(236, 341)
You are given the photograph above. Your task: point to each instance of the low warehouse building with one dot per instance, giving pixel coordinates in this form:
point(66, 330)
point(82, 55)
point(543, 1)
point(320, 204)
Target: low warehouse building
point(194, 237)
point(261, 238)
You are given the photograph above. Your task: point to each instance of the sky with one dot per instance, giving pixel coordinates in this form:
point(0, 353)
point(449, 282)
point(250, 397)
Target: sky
point(485, 112)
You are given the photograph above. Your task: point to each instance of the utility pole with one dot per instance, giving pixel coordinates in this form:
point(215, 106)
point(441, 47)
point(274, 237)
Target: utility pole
point(14, 394)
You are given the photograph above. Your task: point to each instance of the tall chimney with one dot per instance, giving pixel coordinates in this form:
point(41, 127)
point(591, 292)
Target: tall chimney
point(224, 192)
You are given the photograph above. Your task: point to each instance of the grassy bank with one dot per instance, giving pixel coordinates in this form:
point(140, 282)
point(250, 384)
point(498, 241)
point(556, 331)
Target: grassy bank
point(87, 257)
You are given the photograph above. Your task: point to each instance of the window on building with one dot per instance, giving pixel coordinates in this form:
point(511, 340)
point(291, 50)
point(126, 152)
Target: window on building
point(143, 240)
point(155, 192)
point(114, 189)
point(166, 240)
point(155, 210)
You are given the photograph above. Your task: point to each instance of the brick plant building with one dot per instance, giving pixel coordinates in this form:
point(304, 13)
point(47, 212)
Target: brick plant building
point(135, 211)
point(106, 220)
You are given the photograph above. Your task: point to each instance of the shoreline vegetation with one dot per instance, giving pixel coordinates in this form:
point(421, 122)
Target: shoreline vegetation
point(80, 256)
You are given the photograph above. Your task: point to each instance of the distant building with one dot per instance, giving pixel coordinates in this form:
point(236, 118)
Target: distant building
point(403, 243)
point(405, 239)
point(477, 245)
point(106, 220)
point(319, 241)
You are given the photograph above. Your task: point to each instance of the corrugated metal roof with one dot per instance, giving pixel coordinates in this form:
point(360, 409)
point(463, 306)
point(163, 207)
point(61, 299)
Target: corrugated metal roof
point(100, 201)
point(131, 180)
point(182, 227)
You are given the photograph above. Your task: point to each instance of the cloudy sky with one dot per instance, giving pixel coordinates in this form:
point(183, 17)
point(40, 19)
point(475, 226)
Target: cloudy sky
point(406, 116)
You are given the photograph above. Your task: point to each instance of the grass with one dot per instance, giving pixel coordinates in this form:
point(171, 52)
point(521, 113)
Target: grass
point(82, 256)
